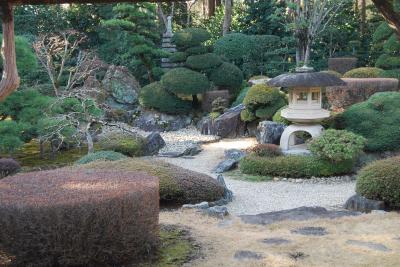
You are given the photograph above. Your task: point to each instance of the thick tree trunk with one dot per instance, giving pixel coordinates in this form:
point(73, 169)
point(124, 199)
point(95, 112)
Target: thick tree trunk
point(387, 10)
point(211, 8)
point(227, 17)
point(89, 141)
point(363, 24)
point(10, 79)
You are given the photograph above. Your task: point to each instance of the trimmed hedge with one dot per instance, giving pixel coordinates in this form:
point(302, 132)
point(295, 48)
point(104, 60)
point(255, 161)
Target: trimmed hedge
point(8, 167)
point(233, 46)
point(178, 57)
point(377, 119)
point(177, 185)
point(380, 180)
point(387, 62)
point(185, 81)
point(101, 155)
point(228, 76)
point(366, 72)
point(293, 166)
point(70, 217)
point(197, 50)
point(203, 62)
point(190, 37)
point(155, 96)
point(125, 144)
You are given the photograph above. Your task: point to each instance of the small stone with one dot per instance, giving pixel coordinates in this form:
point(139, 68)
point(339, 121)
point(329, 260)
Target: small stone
point(154, 142)
point(276, 179)
point(225, 166)
point(216, 211)
point(235, 154)
point(192, 150)
point(228, 194)
point(299, 180)
point(380, 212)
point(370, 245)
point(201, 206)
point(247, 255)
point(362, 204)
point(310, 230)
point(284, 179)
point(276, 241)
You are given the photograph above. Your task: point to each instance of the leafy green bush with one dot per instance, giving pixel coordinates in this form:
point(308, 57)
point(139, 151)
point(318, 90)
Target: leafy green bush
point(128, 145)
point(241, 96)
point(266, 150)
point(383, 32)
point(336, 145)
point(101, 155)
point(219, 105)
point(278, 117)
point(366, 72)
point(386, 61)
point(227, 76)
point(377, 119)
point(196, 50)
point(233, 47)
point(293, 166)
point(268, 111)
point(203, 62)
point(190, 37)
point(11, 136)
point(380, 180)
point(247, 115)
point(185, 81)
point(155, 96)
point(178, 57)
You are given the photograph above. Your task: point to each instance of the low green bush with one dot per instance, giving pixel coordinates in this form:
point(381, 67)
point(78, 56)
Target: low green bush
point(377, 119)
point(228, 76)
point(278, 117)
point(203, 61)
point(190, 37)
point(178, 57)
point(380, 180)
point(233, 47)
point(247, 115)
point(293, 166)
point(366, 72)
point(101, 155)
point(337, 146)
point(268, 111)
point(126, 144)
point(155, 96)
point(185, 81)
point(265, 150)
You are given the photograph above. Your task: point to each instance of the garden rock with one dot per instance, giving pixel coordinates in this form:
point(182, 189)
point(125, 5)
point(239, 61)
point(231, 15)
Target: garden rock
point(370, 245)
point(153, 143)
point(235, 154)
point(362, 204)
point(206, 126)
point(228, 194)
point(192, 150)
point(297, 214)
point(229, 124)
point(310, 230)
point(269, 132)
point(247, 255)
point(155, 121)
point(226, 165)
point(201, 206)
point(216, 211)
point(276, 241)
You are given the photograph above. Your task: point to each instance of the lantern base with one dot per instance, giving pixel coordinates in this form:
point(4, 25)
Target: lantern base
point(288, 139)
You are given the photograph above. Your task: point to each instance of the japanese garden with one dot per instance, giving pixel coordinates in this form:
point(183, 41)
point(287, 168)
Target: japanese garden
point(200, 133)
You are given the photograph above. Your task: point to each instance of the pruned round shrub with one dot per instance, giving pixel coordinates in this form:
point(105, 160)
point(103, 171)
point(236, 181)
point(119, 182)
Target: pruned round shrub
point(178, 57)
point(69, 217)
point(266, 150)
point(227, 76)
point(334, 73)
point(155, 96)
point(185, 81)
point(336, 145)
point(233, 46)
point(392, 74)
point(278, 117)
point(8, 167)
point(380, 180)
point(293, 166)
point(366, 72)
point(219, 105)
point(177, 185)
point(197, 50)
point(101, 155)
point(203, 62)
point(377, 119)
point(126, 144)
point(190, 37)
point(261, 94)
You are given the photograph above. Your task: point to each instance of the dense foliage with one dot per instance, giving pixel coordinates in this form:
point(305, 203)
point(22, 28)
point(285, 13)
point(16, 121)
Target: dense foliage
point(380, 181)
point(125, 144)
point(185, 81)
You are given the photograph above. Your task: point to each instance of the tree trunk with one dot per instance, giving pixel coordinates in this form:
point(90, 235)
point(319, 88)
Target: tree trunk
point(211, 8)
point(89, 141)
point(10, 79)
point(41, 149)
point(387, 10)
point(227, 17)
point(363, 24)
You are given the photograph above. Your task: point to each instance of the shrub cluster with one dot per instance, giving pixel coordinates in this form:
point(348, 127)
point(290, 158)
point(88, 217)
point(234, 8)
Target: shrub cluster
point(8, 167)
point(185, 81)
point(190, 37)
point(377, 119)
point(266, 150)
point(262, 102)
point(69, 217)
point(203, 61)
point(365, 72)
point(380, 180)
point(227, 76)
point(101, 155)
point(126, 144)
point(337, 146)
point(293, 166)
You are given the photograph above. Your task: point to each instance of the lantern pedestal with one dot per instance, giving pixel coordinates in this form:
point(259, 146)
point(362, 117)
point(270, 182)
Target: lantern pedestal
point(288, 138)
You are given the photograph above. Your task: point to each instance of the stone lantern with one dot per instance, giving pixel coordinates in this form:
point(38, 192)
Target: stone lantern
point(305, 104)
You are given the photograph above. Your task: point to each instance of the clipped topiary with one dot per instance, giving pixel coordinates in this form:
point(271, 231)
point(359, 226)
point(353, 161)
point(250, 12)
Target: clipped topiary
point(377, 119)
point(79, 217)
point(380, 180)
point(336, 145)
point(388, 62)
point(228, 76)
point(366, 72)
point(332, 72)
point(233, 47)
point(155, 96)
point(266, 150)
point(127, 144)
point(197, 50)
point(8, 167)
point(101, 155)
point(185, 81)
point(268, 111)
point(190, 37)
point(178, 57)
point(203, 62)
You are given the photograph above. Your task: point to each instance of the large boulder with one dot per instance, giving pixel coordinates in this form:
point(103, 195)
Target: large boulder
point(362, 204)
point(210, 96)
point(229, 124)
point(149, 120)
point(358, 90)
point(269, 132)
point(153, 143)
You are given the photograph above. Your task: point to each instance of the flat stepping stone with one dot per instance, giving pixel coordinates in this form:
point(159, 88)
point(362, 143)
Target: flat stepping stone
point(370, 245)
point(297, 214)
point(276, 241)
point(247, 255)
point(309, 230)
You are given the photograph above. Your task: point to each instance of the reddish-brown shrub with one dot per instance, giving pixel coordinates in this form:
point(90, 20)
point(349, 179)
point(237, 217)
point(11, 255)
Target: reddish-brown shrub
point(70, 217)
point(8, 167)
point(266, 150)
point(342, 64)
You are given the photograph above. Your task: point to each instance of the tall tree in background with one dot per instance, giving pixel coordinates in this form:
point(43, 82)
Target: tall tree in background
point(227, 17)
point(390, 10)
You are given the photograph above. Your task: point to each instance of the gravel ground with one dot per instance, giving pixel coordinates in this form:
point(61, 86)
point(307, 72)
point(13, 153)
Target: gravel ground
point(259, 197)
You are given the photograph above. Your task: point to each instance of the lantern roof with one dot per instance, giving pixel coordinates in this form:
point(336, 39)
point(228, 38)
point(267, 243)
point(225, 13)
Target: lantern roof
point(306, 77)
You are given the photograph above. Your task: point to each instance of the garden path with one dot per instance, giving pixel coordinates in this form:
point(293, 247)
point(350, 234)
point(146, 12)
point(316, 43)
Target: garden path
point(260, 197)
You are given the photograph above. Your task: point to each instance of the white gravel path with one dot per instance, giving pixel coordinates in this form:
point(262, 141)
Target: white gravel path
point(259, 197)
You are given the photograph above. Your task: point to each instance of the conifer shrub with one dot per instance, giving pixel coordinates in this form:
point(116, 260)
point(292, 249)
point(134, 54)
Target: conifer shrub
point(380, 180)
point(233, 47)
point(203, 61)
point(155, 96)
point(79, 217)
point(185, 81)
point(8, 166)
point(178, 57)
point(126, 144)
point(366, 72)
point(101, 155)
point(197, 50)
point(190, 37)
point(228, 76)
point(387, 62)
